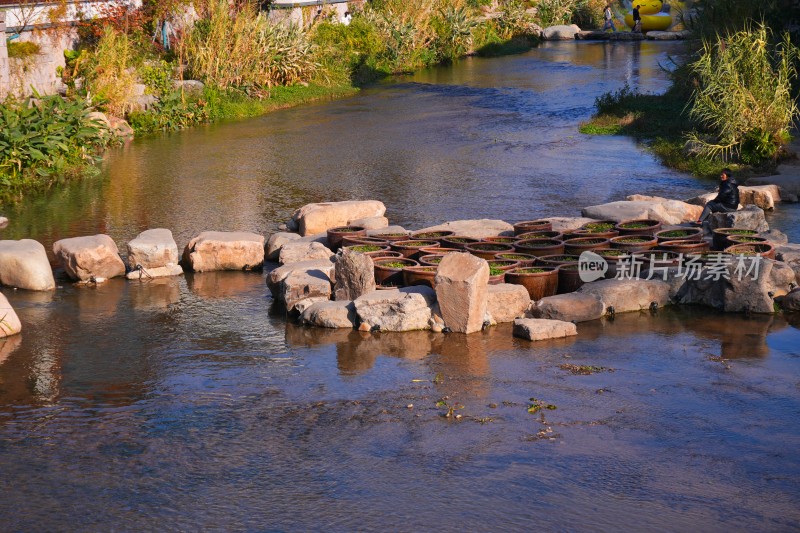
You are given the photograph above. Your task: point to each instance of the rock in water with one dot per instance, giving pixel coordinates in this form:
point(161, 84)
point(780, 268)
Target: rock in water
point(462, 290)
point(24, 265)
point(321, 268)
point(750, 217)
point(9, 321)
point(86, 257)
point(355, 275)
point(572, 307)
point(507, 302)
point(626, 295)
point(540, 329)
point(295, 252)
point(156, 252)
point(340, 314)
point(316, 218)
point(405, 309)
point(475, 229)
point(224, 250)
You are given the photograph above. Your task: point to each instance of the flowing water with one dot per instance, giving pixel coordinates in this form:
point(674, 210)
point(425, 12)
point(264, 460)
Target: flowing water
point(191, 404)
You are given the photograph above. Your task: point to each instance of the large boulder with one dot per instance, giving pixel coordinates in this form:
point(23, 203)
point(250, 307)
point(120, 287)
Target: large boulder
point(625, 295)
point(369, 222)
point(304, 286)
point(156, 253)
point(84, 258)
point(24, 265)
point(650, 207)
point(561, 32)
point(750, 217)
point(224, 250)
point(790, 254)
point(788, 182)
point(316, 218)
point(507, 302)
point(462, 291)
point(297, 251)
point(790, 302)
point(534, 329)
point(319, 268)
point(340, 314)
point(763, 196)
point(276, 242)
point(404, 309)
point(355, 275)
point(9, 321)
point(571, 307)
point(744, 285)
point(475, 229)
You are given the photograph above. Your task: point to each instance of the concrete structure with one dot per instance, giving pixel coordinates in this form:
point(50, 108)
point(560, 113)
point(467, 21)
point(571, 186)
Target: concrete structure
point(294, 13)
point(4, 80)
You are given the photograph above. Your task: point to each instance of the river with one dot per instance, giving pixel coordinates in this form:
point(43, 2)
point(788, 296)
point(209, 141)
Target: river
point(191, 404)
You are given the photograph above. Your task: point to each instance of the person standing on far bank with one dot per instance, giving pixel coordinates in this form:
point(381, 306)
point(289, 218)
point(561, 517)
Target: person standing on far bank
point(609, 19)
point(727, 199)
point(637, 20)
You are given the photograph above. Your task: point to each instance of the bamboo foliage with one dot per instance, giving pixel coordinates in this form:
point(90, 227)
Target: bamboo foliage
point(743, 97)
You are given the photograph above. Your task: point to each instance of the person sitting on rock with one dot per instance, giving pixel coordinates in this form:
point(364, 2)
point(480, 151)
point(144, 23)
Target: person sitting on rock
point(727, 199)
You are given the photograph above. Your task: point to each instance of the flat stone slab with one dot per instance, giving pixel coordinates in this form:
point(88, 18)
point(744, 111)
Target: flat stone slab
point(323, 267)
point(24, 265)
point(507, 302)
point(561, 32)
point(661, 209)
point(571, 307)
point(153, 248)
point(788, 180)
point(462, 291)
point(84, 258)
point(592, 35)
point(369, 222)
point(319, 217)
point(277, 241)
point(341, 314)
point(387, 229)
point(475, 229)
point(566, 224)
point(406, 309)
point(224, 250)
point(626, 295)
point(297, 251)
point(763, 196)
point(534, 329)
point(667, 35)
point(146, 274)
point(626, 36)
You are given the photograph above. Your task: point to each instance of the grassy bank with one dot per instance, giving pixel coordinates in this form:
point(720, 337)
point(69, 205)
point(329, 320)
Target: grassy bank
point(661, 123)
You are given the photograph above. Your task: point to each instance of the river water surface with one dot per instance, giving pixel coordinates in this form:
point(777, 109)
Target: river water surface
point(191, 404)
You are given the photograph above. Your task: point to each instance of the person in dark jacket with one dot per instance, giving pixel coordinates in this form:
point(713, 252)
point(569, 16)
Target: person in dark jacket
point(637, 20)
point(727, 199)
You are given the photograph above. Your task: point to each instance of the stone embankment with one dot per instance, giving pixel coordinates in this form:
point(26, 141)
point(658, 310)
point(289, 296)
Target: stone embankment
point(344, 266)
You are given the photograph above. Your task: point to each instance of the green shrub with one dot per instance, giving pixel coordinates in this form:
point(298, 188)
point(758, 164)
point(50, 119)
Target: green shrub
point(744, 98)
point(453, 26)
point(554, 12)
point(21, 50)
point(108, 72)
point(41, 140)
point(157, 77)
point(588, 13)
